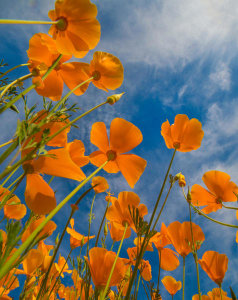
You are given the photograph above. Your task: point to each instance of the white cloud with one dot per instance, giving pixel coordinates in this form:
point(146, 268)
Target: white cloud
point(221, 78)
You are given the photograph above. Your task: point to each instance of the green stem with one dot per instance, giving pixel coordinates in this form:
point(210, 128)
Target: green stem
point(159, 271)
point(229, 207)
point(145, 289)
point(15, 99)
point(12, 69)
point(57, 279)
point(100, 228)
point(143, 246)
point(51, 179)
point(6, 180)
point(6, 21)
point(9, 150)
point(138, 284)
point(195, 256)
point(160, 212)
point(114, 264)
point(14, 182)
point(220, 291)
point(7, 143)
point(60, 241)
point(90, 221)
point(8, 265)
point(15, 82)
point(183, 276)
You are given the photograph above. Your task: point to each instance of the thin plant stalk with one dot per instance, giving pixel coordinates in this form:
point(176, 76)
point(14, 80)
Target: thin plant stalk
point(220, 291)
point(8, 151)
point(102, 297)
point(7, 143)
point(183, 276)
point(195, 256)
point(60, 241)
point(159, 271)
point(6, 180)
point(21, 79)
point(145, 289)
point(229, 207)
point(19, 177)
point(12, 69)
point(6, 21)
point(143, 246)
point(15, 99)
point(8, 265)
point(90, 221)
point(100, 228)
point(138, 284)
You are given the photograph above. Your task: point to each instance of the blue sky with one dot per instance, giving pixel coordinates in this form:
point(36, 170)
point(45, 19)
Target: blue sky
point(178, 57)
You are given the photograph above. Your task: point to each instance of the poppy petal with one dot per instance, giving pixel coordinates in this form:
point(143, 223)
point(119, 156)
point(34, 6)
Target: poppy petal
point(99, 137)
point(97, 158)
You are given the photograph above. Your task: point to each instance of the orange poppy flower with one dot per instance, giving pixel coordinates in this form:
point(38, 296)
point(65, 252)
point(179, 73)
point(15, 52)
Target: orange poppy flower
point(79, 285)
point(181, 238)
point(184, 135)
point(220, 189)
point(119, 211)
point(77, 239)
point(100, 263)
point(215, 265)
point(47, 230)
point(168, 258)
point(171, 285)
point(42, 54)
point(62, 267)
point(117, 230)
point(63, 162)
point(77, 30)
point(215, 294)
point(32, 261)
point(124, 136)
point(102, 184)
point(13, 209)
point(139, 241)
point(107, 71)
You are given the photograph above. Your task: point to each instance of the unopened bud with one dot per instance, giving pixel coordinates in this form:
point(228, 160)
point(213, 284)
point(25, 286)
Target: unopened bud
point(189, 197)
point(114, 98)
point(105, 229)
point(182, 181)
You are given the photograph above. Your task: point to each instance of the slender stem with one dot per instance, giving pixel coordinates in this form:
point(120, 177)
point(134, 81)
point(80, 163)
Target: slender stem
point(113, 243)
point(8, 265)
point(138, 284)
point(229, 207)
point(213, 220)
point(7, 143)
point(19, 177)
point(220, 291)
point(6, 21)
point(60, 241)
point(114, 264)
point(165, 200)
point(51, 179)
point(100, 228)
point(15, 99)
point(183, 276)
point(194, 252)
point(74, 120)
point(15, 82)
point(143, 246)
point(90, 221)
point(57, 279)
point(12, 69)
point(9, 150)
point(6, 180)
point(145, 289)
point(159, 271)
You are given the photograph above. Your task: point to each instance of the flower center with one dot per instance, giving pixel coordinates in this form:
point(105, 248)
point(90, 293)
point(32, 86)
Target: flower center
point(176, 145)
point(111, 155)
point(218, 200)
point(62, 23)
point(28, 168)
point(96, 75)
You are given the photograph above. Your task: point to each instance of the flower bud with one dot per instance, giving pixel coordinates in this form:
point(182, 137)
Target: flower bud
point(114, 98)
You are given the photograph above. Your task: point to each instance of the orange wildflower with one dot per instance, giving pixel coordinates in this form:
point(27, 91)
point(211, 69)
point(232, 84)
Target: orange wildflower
point(184, 135)
point(100, 263)
point(220, 189)
point(117, 230)
point(32, 261)
point(181, 238)
point(171, 285)
point(13, 209)
point(47, 230)
point(119, 211)
point(107, 71)
point(42, 54)
point(66, 162)
point(215, 265)
point(124, 136)
point(77, 30)
point(101, 183)
point(168, 258)
point(215, 294)
point(62, 266)
point(77, 239)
